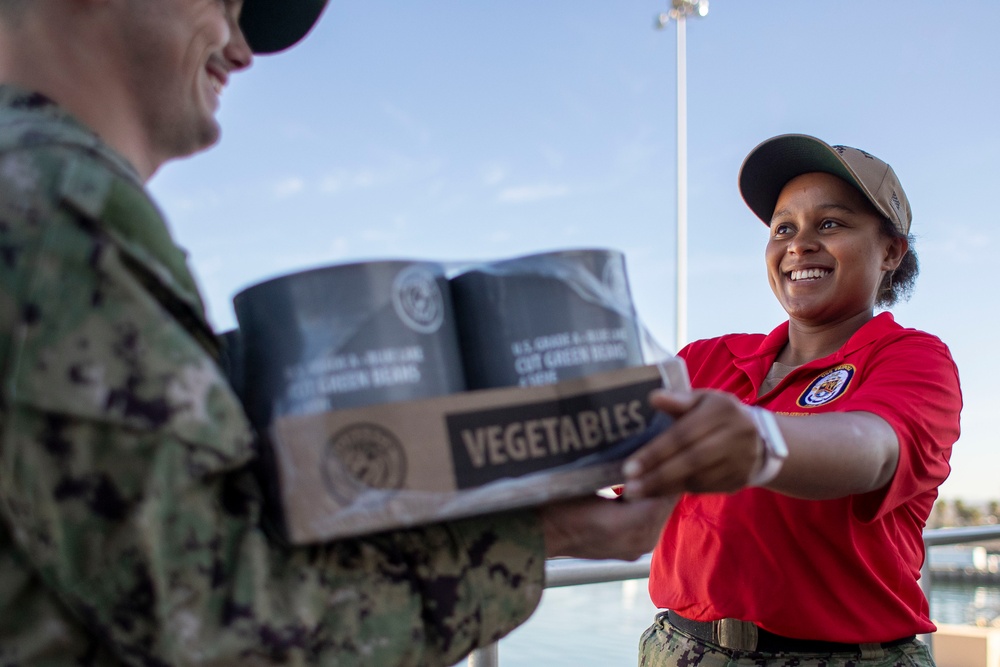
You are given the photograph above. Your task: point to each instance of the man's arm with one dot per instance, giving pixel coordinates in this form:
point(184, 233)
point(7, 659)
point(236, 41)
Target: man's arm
point(124, 481)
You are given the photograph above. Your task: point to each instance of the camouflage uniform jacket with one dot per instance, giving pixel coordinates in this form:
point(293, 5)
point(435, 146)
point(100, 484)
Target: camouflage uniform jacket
point(130, 525)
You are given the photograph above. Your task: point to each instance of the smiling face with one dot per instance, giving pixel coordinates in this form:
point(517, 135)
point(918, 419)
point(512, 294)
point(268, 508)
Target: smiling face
point(826, 252)
point(179, 56)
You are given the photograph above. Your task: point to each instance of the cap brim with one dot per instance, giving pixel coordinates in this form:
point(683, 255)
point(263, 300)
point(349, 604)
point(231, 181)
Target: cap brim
point(769, 167)
point(275, 25)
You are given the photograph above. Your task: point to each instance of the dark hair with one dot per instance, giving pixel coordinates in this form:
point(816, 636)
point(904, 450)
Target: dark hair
point(898, 285)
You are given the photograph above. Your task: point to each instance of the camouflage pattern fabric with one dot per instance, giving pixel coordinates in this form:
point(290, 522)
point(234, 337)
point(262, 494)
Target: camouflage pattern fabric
point(662, 645)
point(130, 522)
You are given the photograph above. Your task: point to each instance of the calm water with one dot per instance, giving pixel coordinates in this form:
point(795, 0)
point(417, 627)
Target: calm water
point(599, 625)
point(965, 604)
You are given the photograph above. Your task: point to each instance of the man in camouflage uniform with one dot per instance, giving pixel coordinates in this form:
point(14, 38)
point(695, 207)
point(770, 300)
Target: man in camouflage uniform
point(130, 525)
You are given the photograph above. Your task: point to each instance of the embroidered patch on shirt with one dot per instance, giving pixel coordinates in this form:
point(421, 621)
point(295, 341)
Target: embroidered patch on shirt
point(829, 386)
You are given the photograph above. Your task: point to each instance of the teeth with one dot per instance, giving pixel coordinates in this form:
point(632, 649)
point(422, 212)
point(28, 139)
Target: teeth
point(216, 85)
point(808, 274)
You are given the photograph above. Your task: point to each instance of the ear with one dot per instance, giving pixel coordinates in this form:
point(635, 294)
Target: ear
point(895, 250)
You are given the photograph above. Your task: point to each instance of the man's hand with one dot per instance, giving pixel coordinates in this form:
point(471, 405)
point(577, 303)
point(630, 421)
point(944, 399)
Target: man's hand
point(595, 527)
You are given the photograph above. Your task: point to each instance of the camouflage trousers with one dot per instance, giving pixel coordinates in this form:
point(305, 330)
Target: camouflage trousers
point(662, 645)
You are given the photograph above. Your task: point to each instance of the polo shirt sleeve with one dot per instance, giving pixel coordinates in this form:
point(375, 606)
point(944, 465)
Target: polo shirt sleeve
point(913, 384)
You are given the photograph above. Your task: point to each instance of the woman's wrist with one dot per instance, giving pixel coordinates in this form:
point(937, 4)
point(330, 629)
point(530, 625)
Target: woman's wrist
point(772, 450)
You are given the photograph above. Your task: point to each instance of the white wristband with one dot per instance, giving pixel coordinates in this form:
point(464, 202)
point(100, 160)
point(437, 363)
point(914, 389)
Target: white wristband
point(775, 450)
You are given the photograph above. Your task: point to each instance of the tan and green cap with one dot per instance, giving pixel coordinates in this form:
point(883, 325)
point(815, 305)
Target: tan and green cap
point(275, 25)
point(776, 161)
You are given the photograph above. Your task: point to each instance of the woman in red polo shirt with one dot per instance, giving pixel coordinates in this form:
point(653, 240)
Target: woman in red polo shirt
point(809, 457)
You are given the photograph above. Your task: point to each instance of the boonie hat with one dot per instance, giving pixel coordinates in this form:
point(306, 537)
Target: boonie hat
point(274, 25)
point(776, 161)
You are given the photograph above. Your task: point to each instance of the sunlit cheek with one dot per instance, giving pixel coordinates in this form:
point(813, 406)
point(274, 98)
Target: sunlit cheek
point(772, 261)
point(774, 281)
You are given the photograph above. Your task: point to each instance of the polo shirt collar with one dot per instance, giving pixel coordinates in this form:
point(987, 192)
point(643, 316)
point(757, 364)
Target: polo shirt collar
point(756, 362)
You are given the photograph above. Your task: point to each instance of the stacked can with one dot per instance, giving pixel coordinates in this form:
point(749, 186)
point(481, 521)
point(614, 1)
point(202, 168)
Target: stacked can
point(346, 336)
point(545, 318)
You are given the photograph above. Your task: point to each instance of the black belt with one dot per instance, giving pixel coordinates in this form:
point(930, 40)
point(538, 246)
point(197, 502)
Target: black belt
point(743, 636)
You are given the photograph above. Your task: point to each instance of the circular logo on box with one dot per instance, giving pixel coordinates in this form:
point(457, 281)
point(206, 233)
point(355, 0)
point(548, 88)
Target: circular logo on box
point(417, 299)
point(360, 457)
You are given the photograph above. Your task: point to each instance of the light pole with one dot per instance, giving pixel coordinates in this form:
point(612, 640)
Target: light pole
point(679, 11)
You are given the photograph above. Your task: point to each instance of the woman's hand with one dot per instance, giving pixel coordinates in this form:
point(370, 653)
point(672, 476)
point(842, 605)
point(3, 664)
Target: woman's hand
point(712, 446)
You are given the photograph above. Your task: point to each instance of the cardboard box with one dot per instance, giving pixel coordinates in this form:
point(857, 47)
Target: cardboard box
point(363, 470)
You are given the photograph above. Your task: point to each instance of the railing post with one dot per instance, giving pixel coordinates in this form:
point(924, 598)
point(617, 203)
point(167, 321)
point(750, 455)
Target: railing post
point(926, 585)
point(488, 656)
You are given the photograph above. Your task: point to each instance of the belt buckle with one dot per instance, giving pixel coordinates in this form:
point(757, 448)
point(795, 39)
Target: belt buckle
point(735, 634)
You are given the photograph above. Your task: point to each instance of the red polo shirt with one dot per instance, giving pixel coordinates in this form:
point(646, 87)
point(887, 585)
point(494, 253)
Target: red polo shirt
point(839, 570)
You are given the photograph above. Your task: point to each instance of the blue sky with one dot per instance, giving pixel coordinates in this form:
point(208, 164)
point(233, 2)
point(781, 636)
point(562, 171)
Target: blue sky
point(448, 130)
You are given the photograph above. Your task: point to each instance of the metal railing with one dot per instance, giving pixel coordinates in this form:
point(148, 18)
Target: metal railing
point(561, 572)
